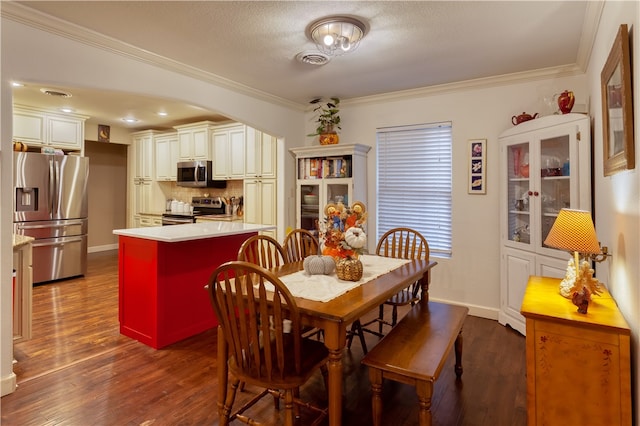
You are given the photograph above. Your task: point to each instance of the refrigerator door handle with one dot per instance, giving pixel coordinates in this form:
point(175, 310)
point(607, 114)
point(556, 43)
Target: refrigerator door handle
point(56, 207)
point(56, 242)
point(50, 225)
point(52, 187)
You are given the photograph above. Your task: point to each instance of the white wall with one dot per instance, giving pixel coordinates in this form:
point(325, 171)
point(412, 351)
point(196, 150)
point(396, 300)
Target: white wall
point(617, 197)
point(472, 275)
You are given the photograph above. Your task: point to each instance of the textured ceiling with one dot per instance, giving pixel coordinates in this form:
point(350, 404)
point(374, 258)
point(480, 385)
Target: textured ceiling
point(408, 45)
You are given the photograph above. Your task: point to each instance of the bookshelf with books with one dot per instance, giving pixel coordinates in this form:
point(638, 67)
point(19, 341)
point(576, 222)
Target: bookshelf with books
point(325, 174)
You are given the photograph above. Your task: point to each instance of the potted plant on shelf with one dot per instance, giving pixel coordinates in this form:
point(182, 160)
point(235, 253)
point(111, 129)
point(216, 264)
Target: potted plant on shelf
point(328, 120)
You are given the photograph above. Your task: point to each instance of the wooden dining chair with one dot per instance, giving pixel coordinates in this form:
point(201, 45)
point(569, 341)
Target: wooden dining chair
point(298, 244)
point(399, 243)
point(262, 250)
point(261, 325)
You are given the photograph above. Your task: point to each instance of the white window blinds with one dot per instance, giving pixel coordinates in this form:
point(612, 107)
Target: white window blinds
point(414, 182)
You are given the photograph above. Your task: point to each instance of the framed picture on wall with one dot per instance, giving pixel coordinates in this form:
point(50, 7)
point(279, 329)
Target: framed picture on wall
point(477, 166)
point(617, 107)
point(104, 133)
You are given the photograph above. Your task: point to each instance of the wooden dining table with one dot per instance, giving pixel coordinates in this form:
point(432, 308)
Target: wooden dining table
point(334, 316)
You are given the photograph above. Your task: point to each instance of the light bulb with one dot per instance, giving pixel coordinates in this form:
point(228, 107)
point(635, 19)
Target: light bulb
point(345, 44)
point(328, 40)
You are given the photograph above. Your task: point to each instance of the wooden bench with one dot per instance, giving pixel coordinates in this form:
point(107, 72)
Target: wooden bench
point(415, 351)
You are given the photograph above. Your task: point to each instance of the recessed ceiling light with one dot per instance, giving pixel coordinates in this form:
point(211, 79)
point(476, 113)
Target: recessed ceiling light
point(130, 120)
point(66, 109)
point(162, 114)
point(17, 84)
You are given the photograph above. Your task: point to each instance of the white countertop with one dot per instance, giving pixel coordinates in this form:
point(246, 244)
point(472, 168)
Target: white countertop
point(192, 231)
point(21, 240)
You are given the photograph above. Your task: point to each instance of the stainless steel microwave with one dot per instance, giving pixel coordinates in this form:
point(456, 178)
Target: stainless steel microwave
point(198, 174)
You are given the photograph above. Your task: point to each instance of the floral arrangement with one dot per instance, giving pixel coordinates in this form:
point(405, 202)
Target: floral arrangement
point(341, 232)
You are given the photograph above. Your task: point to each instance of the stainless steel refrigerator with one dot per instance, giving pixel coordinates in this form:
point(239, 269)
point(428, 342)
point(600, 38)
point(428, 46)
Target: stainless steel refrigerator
point(50, 204)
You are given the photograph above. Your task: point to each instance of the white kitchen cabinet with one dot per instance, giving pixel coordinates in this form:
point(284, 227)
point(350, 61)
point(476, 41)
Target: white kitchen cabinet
point(260, 203)
point(328, 174)
point(144, 154)
point(194, 141)
point(166, 156)
point(261, 159)
point(545, 166)
point(22, 292)
point(145, 194)
point(142, 200)
point(149, 220)
point(228, 147)
point(44, 128)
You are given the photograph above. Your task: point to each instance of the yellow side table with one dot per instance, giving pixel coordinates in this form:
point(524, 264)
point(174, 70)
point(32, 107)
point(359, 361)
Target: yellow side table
point(578, 365)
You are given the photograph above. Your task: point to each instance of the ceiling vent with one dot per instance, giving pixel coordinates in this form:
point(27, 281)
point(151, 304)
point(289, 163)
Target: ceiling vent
point(313, 58)
point(58, 93)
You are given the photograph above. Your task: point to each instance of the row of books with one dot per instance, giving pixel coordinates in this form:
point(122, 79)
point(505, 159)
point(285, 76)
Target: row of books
point(324, 168)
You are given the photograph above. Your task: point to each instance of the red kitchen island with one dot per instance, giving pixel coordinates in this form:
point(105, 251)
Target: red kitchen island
point(162, 274)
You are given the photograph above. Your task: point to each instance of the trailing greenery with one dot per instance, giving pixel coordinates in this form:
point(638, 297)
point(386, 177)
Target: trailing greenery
point(328, 119)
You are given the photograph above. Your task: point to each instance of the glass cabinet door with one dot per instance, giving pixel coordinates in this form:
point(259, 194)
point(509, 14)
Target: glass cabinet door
point(337, 191)
point(555, 181)
point(309, 193)
point(518, 188)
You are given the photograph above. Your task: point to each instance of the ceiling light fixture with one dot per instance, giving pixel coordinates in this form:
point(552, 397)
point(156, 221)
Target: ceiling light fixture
point(337, 35)
point(130, 120)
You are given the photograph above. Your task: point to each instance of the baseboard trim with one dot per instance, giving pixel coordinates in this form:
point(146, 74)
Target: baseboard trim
point(475, 310)
point(9, 384)
point(105, 247)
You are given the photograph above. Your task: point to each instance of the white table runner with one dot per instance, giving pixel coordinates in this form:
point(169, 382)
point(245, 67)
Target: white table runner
point(323, 288)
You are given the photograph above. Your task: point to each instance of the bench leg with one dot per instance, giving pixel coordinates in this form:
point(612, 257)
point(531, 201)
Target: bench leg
point(375, 377)
point(424, 390)
point(458, 351)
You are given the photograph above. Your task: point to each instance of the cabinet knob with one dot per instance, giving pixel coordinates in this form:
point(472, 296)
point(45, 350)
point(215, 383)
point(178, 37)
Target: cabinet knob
point(530, 193)
point(535, 193)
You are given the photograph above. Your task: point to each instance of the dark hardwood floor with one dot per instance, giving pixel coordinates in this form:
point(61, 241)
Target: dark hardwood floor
point(78, 370)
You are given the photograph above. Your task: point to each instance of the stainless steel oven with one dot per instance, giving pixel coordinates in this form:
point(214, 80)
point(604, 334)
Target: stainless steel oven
point(175, 219)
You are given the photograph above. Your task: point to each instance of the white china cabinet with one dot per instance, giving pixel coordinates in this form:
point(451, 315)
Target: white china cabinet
point(546, 166)
point(329, 173)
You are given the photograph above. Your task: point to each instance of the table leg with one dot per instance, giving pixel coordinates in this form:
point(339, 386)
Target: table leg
point(335, 340)
point(223, 371)
point(424, 284)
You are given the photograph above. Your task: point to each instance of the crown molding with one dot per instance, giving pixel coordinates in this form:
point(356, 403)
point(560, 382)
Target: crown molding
point(35, 19)
point(479, 83)
point(590, 25)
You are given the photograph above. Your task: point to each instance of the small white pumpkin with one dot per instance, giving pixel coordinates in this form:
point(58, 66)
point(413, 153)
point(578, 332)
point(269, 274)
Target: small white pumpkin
point(318, 264)
point(355, 237)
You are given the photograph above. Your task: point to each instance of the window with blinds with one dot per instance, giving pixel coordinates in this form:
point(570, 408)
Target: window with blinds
point(414, 182)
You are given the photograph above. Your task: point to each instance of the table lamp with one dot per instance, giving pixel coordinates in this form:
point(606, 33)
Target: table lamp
point(573, 231)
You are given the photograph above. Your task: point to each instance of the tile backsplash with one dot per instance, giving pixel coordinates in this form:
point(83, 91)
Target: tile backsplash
point(171, 190)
